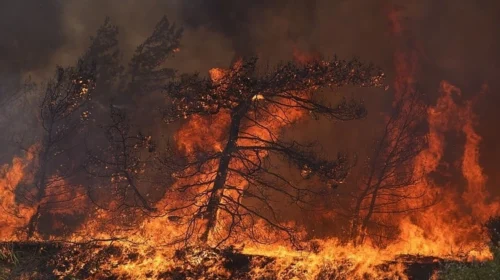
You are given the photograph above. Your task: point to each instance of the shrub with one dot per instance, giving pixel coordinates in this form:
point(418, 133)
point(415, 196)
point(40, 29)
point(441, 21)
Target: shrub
point(483, 270)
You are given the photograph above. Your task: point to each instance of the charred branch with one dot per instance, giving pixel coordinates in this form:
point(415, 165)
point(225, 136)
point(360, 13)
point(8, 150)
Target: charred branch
point(390, 179)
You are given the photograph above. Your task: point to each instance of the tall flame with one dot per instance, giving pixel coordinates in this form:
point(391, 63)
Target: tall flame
point(14, 216)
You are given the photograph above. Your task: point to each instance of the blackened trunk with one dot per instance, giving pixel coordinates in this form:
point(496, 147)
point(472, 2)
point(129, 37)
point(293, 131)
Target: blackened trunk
point(222, 171)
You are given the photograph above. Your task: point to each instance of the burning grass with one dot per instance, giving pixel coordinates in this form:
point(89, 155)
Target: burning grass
point(51, 260)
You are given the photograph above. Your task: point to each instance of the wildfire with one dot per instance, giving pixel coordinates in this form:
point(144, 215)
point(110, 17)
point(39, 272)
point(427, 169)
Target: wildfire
point(442, 230)
point(446, 221)
point(13, 215)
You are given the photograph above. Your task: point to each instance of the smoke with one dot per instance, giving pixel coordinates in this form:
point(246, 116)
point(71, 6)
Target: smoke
point(453, 37)
point(240, 20)
point(30, 32)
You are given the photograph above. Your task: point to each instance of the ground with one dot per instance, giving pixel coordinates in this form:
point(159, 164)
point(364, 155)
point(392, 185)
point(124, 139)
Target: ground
point(54, 260)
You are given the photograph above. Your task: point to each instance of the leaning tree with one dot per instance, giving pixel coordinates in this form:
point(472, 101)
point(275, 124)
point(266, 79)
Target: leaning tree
point(65, 110)
point(130, 89)
point(75, 99)
point(248, 109)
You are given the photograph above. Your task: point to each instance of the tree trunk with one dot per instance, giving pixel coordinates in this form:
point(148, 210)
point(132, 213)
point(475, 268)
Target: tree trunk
point(41, 182)
point(222, 171)
point(358, 227)
point(144, 202)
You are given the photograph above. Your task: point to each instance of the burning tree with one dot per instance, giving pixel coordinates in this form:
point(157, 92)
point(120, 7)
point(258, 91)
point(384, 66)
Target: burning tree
point(63, 112)
point(235, 162)
point(67, 108)
point(390, 183)
point(122, 160)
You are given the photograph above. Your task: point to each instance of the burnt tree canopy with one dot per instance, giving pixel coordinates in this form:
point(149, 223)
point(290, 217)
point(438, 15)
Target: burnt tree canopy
point(64, 111)
point(253, 107)
point(75, 101)
point(194, 95)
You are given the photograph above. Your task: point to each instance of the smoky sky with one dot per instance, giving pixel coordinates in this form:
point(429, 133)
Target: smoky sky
point(30, 31)
point(457, 40)
point(236, 19)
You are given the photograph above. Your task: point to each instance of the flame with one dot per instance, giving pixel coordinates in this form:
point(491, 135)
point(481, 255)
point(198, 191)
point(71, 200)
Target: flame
point(14, 216)
point(207, 134)
point(443, 230)
point(447, 226)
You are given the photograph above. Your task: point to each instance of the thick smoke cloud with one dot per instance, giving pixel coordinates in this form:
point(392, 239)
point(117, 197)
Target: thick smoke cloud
point(238, 20)
point(456, 40)
point(30, 32)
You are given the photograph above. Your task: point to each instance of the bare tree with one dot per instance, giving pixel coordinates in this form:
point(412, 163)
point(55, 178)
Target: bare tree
point(122, 163)
point(389, 181)
point(211, 180)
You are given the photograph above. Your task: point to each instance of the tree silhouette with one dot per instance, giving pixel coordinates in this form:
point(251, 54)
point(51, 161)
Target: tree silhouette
point(75, 99)
point(389, 183)
point(131, 86)
point(122, 163)
point(214, 181)
point(63, 112)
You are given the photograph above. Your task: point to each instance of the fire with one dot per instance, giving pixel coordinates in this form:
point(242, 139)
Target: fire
point(14, 216)
point(202, 133)
point(442, 230)
point(207, 134)
point(446, 228)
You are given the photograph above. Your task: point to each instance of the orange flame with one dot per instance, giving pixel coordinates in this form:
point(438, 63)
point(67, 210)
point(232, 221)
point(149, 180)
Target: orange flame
point(14, 216)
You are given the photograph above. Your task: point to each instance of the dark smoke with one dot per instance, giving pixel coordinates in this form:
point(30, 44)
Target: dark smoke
point(31, 31)
point(237, 19)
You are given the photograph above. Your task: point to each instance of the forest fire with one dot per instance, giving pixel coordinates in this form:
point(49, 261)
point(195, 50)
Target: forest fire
point(437, 231)
point(216, 199)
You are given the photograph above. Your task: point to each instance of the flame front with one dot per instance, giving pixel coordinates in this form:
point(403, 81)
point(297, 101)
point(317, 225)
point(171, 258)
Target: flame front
point(14, 216)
